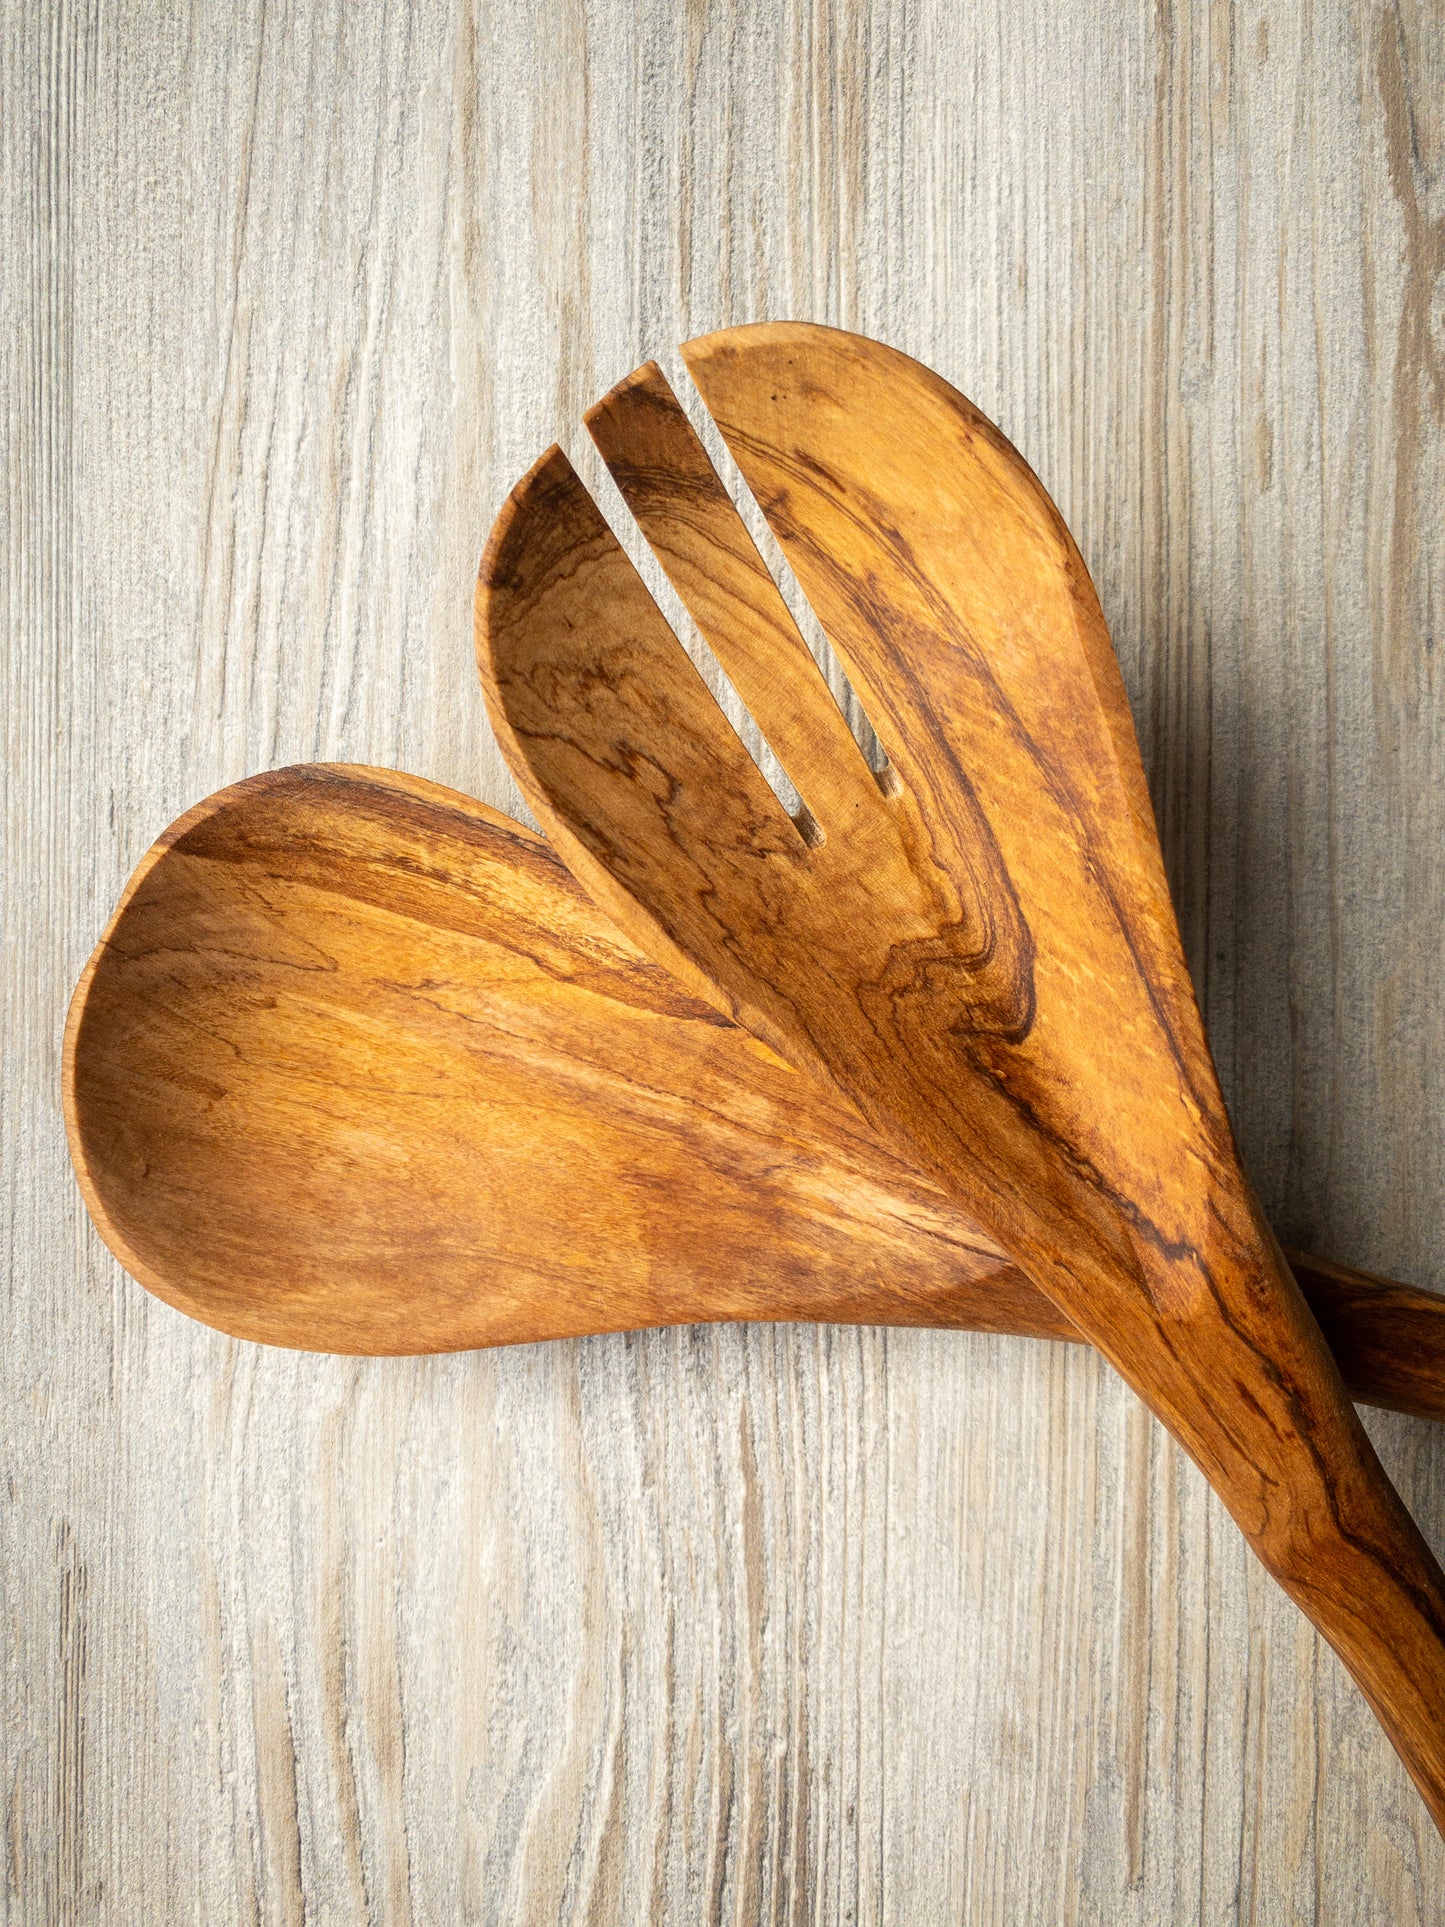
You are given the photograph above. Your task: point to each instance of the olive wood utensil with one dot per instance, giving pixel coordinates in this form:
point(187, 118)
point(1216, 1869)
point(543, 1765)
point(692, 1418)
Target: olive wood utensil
point(979, 951)
point(357, 1067)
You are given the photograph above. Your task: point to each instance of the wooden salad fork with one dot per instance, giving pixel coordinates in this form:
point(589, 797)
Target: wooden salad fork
point(977, 950)
point(357, 1067)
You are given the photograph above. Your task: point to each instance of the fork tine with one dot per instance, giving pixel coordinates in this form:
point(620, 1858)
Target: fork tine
point(609, 727)
point(696, 533)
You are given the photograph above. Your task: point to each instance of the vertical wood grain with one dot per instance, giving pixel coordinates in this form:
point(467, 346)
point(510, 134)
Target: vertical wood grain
point(734, 1625)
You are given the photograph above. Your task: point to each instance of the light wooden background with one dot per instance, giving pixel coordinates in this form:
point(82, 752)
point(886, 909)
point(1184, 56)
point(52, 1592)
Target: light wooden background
point(742, 1625)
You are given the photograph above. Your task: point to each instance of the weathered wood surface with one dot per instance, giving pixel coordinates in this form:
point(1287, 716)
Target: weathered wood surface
point(740, 1624)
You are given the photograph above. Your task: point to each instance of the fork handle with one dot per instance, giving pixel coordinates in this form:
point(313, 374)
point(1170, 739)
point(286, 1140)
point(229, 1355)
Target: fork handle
point(1240, 1374)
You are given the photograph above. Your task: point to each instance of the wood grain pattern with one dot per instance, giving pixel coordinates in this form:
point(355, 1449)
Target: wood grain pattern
point(984, 960)
point(357, 1068)
point(640, 1628)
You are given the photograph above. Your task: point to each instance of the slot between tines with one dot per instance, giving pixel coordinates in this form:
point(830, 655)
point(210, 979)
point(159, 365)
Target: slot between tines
point(693, 526)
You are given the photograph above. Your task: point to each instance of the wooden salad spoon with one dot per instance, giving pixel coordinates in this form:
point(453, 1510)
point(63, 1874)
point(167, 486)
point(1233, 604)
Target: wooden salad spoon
point(357, 1067)
point(977, 950)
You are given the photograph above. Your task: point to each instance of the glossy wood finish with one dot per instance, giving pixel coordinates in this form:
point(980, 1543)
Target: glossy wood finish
point(783, 1624)
point(983, 958)
point(358, 1068)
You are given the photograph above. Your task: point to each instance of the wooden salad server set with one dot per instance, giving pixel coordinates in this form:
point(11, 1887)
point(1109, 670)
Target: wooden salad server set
point(358, 1066)
point(978, 951)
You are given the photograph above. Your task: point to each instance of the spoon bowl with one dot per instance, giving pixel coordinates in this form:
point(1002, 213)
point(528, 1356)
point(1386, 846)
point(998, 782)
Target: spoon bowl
point(356, 1059)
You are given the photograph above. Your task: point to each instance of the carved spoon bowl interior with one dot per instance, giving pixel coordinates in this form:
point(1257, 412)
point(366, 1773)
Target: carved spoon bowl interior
point(358, 1068)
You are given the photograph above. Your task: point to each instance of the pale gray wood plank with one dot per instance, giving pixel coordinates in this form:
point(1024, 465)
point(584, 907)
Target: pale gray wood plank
point(735, 1625)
